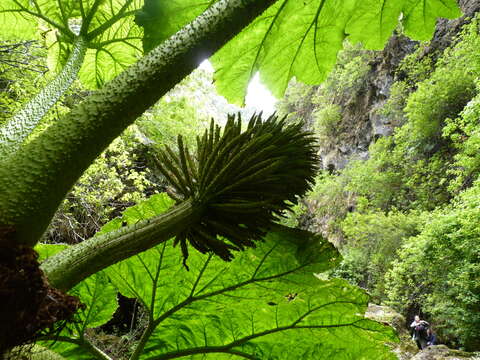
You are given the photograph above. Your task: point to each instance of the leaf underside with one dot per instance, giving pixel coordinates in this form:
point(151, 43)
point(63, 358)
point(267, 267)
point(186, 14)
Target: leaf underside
point(109, 52)
point(110, 48)
point(265, 304)
point(298, 38)
point(291, 39)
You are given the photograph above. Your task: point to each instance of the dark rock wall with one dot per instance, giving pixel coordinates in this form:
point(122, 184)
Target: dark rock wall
point(365, 124)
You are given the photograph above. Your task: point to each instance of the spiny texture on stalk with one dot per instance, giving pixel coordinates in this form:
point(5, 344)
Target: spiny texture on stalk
point(244, 180)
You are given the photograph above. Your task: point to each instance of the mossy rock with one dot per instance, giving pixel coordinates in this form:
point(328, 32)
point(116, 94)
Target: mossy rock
point(442, 352)
point(406, 348)
point(387, 315)
point(34, 352)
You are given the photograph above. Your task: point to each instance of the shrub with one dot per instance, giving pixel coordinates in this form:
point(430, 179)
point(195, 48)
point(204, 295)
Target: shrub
point(438, 271)
point(371, 241)
point(415, 67)
point(117, 179)
point(330, 202)
point(378, 179)
point(463, 132)
point(22, 70)
point(348, 77)
point(449, 88)
point(393, 109)
point(442, 96)
point(328, 122)
point(297, 103)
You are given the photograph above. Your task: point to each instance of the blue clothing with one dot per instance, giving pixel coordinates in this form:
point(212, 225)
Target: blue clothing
point(431, 339)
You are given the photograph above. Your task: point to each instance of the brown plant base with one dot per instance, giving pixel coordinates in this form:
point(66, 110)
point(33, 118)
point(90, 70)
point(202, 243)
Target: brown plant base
point(28, 304)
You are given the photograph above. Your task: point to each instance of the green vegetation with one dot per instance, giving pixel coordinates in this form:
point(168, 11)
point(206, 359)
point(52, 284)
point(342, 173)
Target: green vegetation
point(126, 172)
point(371, 243)
point(22, 68)
point(118, 178)
point(438, 271)
point(81, 164)
point(327, 122)
point(465, 137)
point(255, 306)
point(406, 219)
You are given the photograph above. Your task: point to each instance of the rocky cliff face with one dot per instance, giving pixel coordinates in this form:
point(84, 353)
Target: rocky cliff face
point(360, 112)
point(441, 352)
point(406, 348)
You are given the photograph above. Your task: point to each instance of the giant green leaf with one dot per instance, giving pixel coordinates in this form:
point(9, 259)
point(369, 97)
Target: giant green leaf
point(68, 349)
point(95, 292)
point(174, 14)
point(16, 24)
point(155, 205)
point(375, 22)
point(378, 18)
point(293, 38)
point(420, 16)
point(57, 12)
point(98, 296)
point(266, 303)
point(298, 38)
point(114, 40)
point(302, 38)
point(21, 19)
point(46, 250)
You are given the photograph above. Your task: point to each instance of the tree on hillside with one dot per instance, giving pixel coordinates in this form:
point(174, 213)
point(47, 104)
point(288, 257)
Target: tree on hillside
point(100, 41)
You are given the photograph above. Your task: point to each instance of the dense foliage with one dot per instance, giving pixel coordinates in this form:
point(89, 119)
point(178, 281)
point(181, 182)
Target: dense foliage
point(126, 172)
point(256, 306)
point(22, 66)
point(131, 56)
point(438, 271)
point(406, 217)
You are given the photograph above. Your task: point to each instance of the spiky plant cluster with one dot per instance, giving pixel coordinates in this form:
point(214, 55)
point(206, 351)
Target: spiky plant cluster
point(244, 180)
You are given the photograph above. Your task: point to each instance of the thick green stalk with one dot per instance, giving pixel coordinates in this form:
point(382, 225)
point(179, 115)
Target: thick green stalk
point(35, 179)
point(13, 133)
point(72, 265)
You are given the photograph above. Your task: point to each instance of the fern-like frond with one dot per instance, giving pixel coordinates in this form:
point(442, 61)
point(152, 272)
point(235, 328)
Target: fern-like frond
point(244, 180)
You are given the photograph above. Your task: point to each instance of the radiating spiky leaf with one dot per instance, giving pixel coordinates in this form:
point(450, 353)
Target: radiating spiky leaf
point(244, 180)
